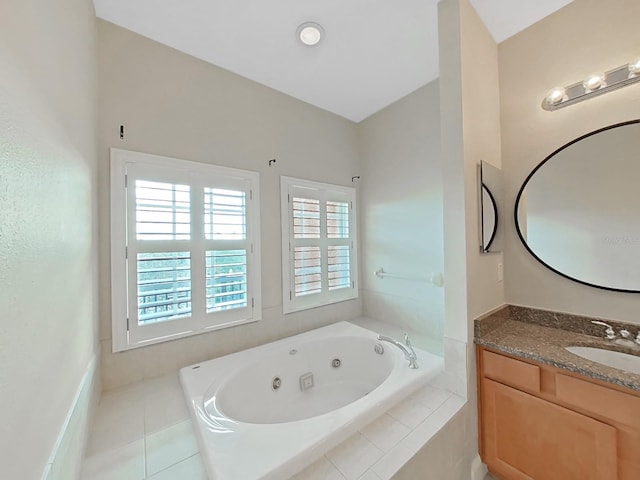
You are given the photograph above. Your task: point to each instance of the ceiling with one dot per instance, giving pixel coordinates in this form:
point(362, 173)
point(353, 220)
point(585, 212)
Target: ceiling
point(374, 51)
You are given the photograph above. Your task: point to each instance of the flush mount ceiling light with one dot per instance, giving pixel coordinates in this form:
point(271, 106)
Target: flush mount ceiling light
point(595, 84)
point(310, 33)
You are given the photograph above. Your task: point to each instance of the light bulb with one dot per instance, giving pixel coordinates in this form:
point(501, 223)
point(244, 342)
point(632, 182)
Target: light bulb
point(634, 67)
point(555, 96)
point(593, 82)
point(310, 33)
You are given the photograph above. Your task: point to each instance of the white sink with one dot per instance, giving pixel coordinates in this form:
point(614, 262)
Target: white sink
point(619, 360)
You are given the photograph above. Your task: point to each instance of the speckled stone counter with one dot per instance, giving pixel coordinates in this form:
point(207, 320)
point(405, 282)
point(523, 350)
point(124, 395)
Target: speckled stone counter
point(542, 336)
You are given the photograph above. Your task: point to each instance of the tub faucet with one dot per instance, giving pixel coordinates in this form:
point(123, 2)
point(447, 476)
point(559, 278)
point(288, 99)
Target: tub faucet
point(407, 349)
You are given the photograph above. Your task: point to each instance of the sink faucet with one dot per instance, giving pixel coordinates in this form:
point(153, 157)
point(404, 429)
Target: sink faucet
point(625, 335)
point(407, 349)
point(610, 332)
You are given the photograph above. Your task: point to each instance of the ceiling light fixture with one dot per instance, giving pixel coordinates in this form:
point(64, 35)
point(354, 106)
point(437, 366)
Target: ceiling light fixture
point(594, 85)
point(310, 33)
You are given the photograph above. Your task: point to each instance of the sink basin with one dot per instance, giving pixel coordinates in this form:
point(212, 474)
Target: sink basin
point(619, 360)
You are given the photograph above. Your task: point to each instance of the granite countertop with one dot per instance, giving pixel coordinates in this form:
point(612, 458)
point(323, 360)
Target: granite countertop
point(541, 336)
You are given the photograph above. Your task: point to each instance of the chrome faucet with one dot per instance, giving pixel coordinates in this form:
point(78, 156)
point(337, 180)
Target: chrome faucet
point(407, 348)
point(625, 335)
point(610, 332)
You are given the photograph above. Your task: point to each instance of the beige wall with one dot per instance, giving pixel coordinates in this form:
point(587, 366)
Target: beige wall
point(584, 37)
point(48, 329)
point(470, 123)
point(401, 210)
point(174, 105)
point(470, 116)
point(481, 131)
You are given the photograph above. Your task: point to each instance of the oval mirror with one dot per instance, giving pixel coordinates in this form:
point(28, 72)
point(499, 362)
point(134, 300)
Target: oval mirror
point(578, 212)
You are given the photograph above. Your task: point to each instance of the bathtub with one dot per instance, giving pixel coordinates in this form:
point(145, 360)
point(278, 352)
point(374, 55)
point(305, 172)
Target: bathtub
point(267, 412)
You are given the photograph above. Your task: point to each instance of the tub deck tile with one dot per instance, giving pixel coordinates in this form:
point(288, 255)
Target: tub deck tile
point(445, 405)
point(323, 469)
point(149, 412)
point(385, 432)
point(393, 461)
point(355, 456)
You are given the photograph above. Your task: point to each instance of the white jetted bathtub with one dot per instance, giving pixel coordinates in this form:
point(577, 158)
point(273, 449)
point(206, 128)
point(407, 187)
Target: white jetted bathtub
point(267, 412)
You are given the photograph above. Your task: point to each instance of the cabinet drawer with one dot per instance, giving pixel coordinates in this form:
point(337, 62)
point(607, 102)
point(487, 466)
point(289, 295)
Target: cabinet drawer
point(510, 371)
point(609, 403)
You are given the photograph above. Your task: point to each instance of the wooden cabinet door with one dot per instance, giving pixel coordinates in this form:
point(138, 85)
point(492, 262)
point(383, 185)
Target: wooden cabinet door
point(526, 438)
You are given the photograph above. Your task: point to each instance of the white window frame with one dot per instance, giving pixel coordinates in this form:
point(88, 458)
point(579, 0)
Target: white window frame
point(323, 192)
point(126, 166)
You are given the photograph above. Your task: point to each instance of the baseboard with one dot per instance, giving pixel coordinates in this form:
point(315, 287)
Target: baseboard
point(478, 469)
point(66, 456)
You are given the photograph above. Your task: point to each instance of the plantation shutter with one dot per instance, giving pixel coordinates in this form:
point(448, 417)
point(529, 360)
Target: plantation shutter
point(191, 248)
point(318, 244)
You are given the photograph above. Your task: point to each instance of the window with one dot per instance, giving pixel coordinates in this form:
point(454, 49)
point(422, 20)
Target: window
point(319, 242)
point(185, 254)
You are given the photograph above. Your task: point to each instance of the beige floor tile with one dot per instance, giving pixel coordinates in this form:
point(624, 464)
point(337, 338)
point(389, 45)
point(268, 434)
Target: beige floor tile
point(124, 463)
point(164, 403)
point(170, 446)
point(119, 420)
point(191, 468)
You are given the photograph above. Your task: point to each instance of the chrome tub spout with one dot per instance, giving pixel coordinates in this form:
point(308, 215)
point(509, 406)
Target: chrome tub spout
point(407, 349)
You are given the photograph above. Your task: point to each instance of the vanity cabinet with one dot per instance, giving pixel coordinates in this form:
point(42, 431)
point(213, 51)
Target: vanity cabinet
point(542, 423)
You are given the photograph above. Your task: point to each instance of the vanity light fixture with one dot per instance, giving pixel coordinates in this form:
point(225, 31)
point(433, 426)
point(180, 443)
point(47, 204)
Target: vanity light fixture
point(593, 85)
point(310, 33)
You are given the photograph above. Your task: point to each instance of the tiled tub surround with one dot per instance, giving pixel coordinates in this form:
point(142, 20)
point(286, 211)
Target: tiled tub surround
point(279, 430)
point(143, 431)
point(542, 336)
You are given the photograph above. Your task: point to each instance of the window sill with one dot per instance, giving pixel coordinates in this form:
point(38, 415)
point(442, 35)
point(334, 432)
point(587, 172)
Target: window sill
point(288, 308)
point(122, 347)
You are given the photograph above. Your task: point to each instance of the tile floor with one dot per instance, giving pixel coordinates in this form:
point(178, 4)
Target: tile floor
point(144, 432)
point(379, 450)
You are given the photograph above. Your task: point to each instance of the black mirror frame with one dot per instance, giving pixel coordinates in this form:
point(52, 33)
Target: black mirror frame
point(521, 191)
point(485, 248)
